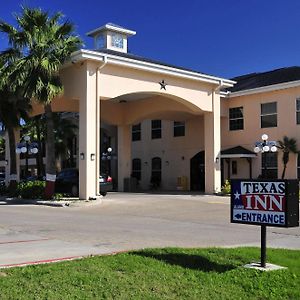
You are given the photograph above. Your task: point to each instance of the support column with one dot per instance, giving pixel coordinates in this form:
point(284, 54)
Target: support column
point(212, 137)
point(124, 155)
point(88, 120)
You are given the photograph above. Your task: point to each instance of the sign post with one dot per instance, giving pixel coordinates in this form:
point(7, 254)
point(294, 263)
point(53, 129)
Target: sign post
point(265, 203)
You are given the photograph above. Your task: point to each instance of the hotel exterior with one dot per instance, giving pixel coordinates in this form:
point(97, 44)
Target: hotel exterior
point(172, 128)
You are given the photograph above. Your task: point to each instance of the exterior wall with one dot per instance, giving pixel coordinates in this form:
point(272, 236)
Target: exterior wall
point(195, 95)
point(175, 152)
point(286, 125)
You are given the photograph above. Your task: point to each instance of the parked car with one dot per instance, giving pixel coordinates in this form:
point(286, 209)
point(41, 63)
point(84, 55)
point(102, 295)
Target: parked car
point(67, 181)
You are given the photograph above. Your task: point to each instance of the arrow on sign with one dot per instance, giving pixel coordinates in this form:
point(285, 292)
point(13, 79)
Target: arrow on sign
point(238, 216)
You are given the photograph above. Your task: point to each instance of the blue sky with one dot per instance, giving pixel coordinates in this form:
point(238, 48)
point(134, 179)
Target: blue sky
point(219, 37)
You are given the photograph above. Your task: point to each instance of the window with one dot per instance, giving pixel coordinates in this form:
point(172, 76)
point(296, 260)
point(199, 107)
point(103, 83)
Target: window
point(298, 166)
point(136, 132)
point(298, 110)
point(179, 129)
point(156, 171)
point(156, 129)
point(236, 118)
point(269, 165)
point(234, 167)
point(268, 115)
point(136, 170)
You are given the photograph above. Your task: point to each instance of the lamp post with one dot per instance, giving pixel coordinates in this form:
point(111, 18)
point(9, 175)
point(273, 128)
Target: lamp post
point(106, 156)
point(27, 148)
point(264, 147)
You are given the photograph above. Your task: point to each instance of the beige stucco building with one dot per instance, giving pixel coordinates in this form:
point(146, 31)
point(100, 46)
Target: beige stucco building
point(170, 127)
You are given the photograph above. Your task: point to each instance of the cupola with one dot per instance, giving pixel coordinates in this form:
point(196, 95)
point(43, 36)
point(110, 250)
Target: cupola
point(111, 36)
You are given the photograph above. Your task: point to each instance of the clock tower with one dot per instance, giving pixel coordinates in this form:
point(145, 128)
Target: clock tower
point(111, 36)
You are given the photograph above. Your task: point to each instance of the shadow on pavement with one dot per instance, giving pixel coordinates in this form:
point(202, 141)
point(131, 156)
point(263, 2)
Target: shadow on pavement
point(190, 261)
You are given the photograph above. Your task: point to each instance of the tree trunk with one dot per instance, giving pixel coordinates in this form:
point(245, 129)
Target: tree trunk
point(13, 161)
point(50, 153)
point(39, 158)
point(283, 172)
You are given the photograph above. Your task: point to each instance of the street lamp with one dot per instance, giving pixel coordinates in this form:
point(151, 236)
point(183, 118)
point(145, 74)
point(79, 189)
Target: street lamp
point(263, 147)
point(27, 148)
point(106, 156)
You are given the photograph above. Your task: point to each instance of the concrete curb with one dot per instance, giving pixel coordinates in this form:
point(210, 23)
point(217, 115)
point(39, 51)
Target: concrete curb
point(53, 203)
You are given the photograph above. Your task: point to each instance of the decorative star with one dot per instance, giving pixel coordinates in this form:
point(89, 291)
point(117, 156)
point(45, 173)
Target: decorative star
point(237, 195)
point(163, 85)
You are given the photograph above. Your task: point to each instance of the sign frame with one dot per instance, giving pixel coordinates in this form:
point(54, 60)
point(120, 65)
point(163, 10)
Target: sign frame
point(291, 195)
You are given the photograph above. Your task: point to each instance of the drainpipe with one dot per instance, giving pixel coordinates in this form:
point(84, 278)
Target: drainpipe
point(98, 125)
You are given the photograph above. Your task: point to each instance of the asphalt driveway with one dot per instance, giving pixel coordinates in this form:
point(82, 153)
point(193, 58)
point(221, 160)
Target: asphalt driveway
point(124, 221)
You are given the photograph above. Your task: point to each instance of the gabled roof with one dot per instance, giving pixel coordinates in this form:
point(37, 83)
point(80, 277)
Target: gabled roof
point(237, 152)
point(257, 80)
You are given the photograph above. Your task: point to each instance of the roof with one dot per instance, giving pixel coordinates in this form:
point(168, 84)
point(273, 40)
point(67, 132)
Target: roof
point(237, 152)
point(149, 60)
point(256, 80)
point(113, 27)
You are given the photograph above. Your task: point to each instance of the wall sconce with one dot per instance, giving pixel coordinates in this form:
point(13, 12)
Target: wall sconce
point(182, 157)
point(82, 156)
point(217, 160)
point(93, 156)
point(146, 163)
point(6, 162)
point(167, 163)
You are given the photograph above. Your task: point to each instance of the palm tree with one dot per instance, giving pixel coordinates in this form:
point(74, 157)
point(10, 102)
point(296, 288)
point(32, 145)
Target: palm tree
point(287, 145)
point(13, 107)
point(64, 131)
point(42, 44)
point(35, 127)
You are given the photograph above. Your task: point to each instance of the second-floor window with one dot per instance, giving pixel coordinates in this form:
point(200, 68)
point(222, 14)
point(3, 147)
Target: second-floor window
point(136, 132)
point(156, 129)
point(298, 110)
point(236, 118)
point(268, 115)
point(179, 128)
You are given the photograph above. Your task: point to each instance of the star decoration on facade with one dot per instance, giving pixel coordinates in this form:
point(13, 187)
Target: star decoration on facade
point(163, 85)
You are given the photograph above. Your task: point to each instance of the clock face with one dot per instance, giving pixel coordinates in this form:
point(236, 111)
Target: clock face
point(117, 41)
point(100, 41)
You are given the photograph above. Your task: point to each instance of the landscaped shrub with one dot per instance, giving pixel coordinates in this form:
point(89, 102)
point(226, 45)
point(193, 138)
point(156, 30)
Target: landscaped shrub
point(31, 189)
point(226, 188)
point(3, 190)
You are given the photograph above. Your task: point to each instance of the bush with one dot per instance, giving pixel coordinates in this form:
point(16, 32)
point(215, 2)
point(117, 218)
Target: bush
point(226, 188)
point(31, 189)
point(3, 190)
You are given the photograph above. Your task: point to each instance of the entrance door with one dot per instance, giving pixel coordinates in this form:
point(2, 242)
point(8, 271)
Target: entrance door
point(197, 168)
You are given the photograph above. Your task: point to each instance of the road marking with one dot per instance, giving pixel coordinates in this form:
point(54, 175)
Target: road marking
point(23, 241)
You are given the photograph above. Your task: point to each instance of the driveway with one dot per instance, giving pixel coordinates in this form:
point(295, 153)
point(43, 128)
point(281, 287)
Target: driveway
point(125, 221)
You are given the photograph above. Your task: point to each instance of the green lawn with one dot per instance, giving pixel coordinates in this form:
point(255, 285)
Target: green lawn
point(158, 274)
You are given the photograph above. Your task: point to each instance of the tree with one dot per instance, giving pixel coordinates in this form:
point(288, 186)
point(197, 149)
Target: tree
point(42, 44)
point(13, 106)
point(287, 145)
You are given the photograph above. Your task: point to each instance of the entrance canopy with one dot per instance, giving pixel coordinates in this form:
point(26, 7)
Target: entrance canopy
point(237, 152)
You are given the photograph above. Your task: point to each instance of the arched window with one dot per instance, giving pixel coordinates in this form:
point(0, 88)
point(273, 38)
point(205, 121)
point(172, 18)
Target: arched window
point(136, 170)
point(156, 171)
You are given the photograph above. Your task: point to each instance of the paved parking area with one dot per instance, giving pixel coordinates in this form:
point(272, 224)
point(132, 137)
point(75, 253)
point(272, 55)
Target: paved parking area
point(125, 221)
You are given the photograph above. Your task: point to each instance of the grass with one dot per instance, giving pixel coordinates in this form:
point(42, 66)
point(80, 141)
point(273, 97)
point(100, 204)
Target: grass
point(169, 273)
